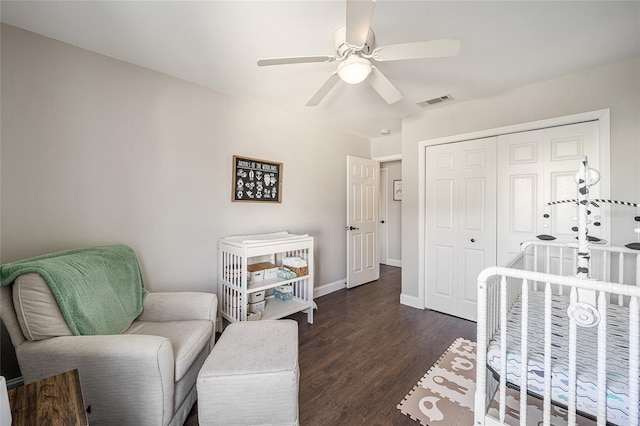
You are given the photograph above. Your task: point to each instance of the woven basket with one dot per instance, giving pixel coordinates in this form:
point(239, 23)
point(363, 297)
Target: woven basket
point(300, 272)
point(254, 316)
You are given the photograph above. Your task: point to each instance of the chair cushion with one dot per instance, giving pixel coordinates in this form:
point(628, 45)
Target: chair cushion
point(188, 339)
point(38, 312)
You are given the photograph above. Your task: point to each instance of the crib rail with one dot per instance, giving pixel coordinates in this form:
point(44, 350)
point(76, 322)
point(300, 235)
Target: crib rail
point(547, 268)
point(611, 264)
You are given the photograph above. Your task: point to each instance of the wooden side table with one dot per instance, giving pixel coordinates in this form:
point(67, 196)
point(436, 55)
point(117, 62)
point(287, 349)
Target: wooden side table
point(56, 400)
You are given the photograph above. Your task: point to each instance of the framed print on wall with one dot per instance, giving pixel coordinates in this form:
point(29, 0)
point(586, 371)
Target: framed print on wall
point(397, 190)
point(254, 180)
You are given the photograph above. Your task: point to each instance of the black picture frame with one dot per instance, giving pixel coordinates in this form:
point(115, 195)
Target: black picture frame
point(256, 181)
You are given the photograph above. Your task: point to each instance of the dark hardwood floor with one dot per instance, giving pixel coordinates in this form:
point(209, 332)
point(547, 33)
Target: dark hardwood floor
point(366, 351)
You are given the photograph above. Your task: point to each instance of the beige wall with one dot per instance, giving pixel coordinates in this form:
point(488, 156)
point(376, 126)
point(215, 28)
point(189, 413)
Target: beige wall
point(616, 87)
point(386, 146)
point(99, 151)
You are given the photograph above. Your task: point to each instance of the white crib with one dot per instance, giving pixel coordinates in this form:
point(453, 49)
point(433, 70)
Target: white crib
point(587, 364)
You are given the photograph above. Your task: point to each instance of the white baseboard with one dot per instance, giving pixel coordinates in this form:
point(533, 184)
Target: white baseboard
point(329, 288)
point(394, 262)
point(411, 301)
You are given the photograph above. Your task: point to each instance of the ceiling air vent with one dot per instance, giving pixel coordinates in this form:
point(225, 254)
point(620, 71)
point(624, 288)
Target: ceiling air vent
point(434, 101)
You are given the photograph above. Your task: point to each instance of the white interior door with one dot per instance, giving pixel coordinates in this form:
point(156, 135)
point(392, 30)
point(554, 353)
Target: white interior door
point(363, 188)
point(461, 223)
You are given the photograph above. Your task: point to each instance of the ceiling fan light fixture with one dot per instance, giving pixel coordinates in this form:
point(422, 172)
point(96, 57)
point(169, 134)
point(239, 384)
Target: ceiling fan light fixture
point(354, 69)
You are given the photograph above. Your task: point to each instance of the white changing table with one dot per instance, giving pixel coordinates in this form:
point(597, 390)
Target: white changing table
point(237, 252)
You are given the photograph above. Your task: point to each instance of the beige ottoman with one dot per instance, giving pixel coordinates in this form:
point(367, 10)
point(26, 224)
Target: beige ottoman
point(251, 376)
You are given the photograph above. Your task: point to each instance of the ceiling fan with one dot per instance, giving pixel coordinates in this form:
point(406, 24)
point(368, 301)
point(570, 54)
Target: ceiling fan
point(355, 49)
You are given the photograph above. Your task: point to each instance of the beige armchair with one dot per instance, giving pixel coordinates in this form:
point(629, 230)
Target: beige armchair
point(145, 375)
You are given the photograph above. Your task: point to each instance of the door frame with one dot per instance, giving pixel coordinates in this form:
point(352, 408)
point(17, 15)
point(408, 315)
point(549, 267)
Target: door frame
point(383, 212)
point(386, 159)
point(604, 120)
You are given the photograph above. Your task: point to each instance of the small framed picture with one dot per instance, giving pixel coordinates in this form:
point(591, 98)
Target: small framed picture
point(397, 190)
point(254, 180)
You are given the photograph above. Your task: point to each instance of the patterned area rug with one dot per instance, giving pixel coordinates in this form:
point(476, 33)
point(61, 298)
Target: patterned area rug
point(445, 395)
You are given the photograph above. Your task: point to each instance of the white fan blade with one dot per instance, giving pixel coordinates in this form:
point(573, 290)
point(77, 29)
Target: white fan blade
point(324, 89)
point(383, 86)
point(294, 60)
point(359, 15)
point(418, 50)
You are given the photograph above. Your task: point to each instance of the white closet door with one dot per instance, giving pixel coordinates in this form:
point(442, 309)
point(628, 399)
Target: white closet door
point(520, 191)
point(537, 167)
point(564, 147)
point(461, 223)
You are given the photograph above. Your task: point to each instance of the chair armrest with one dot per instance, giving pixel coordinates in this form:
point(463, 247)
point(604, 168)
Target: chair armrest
point(179, 306)
point(122, 376)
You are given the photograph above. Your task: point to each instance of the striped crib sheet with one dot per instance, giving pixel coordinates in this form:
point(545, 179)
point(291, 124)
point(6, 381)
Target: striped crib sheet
point(617, 356)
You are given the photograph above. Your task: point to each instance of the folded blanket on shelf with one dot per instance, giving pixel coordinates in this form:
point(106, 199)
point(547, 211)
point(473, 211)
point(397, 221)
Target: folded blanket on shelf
point(286, 274)
point(296, 262)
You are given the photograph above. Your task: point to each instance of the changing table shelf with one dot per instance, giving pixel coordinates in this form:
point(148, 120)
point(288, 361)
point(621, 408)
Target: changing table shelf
point(272, 283)
point(235, 289)
point(276, 308)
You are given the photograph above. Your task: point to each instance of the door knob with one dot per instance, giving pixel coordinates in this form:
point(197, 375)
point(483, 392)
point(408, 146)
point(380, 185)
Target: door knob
point(352, 228)
point(382, 221)
point(473, 240)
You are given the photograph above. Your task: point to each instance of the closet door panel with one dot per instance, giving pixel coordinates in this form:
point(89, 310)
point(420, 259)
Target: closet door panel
point(564, 147)
point(523, 191)
point(562, 186)
point(472, 261)
point(520, 171)
point(441, 224)
point(535, 168)
point(443, 208)
point(444, 264)
point(475, 204)
point(461, 223)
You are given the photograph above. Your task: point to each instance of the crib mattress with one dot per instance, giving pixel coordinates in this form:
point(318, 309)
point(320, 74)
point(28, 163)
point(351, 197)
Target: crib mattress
point(587, 388)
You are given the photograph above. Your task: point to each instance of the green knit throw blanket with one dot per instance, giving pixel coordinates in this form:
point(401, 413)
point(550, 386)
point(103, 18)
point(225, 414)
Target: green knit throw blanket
point(99, 289)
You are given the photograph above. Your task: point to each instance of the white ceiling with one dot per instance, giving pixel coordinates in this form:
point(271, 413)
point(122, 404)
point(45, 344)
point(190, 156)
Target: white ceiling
point(505, 45)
